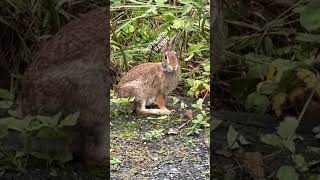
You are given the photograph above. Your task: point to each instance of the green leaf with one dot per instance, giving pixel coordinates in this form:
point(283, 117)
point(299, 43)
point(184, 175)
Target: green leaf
point(287, 128)
point(70, 120)
point(310, 16)
point(193, 48)
point(206, 66)
point(199, 117)
point(169, 17)
point(267, 87)
point(200, 103)
point(289, 144)
point(5, 104)
point(309, 78)
point(277, 101)
point(308, 38)
point(48, 133)
point(257, 102)
point(214, 124)
point(232, 136)
point(16, 124)
point(277, 68)
point(160, 2)
point(271, 139)
point(186, 9)
point(47, 121)
point(6, 95)
point(3, 130)
point(152, 10)
point(178, 24)
point(287, 173)
point(300, 162)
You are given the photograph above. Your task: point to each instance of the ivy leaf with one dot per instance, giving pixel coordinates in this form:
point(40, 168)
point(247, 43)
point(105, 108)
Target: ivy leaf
point(310, 17)
point(277, 101)
point(287, 128)
point(232, 136)
point(287, 173)
point(70, 120)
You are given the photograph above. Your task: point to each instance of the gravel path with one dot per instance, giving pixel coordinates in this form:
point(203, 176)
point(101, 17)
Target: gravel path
point(169, 156)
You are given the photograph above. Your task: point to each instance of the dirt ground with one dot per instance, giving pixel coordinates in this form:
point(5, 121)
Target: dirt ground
point(171, 155)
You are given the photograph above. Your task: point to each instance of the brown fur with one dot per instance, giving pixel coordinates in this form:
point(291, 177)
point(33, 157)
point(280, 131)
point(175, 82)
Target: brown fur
point(151, 81)
point(69, 74)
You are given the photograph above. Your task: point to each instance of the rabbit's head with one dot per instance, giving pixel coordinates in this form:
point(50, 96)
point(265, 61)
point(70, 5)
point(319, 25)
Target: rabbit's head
point(169, 58)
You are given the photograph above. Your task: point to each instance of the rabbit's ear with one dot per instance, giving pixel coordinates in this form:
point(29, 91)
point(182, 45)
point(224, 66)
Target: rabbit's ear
point(174, 40)
point(164, 46)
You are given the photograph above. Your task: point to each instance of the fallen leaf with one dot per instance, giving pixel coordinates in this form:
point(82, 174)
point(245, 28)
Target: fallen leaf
point(189, 114)
point(253, 163)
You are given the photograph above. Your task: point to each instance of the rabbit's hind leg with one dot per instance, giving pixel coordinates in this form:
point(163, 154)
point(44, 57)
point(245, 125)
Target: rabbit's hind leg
point(160, 100)
point(142, 109)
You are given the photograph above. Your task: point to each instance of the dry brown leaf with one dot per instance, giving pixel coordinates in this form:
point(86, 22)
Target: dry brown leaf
point(189, 114)
point(253, 163)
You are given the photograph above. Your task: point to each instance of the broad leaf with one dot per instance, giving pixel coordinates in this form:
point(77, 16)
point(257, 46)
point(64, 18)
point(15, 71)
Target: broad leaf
point(160, 2)
point(6, 95)
point(289, 144)
point(277, 101)
point(5, 104)
point(257, 102)
point(232, 137)
point(271, 139)
point(310, 16)
point(70, 120)
point(267, 87)
point(300, 162)
point(287, 128)
point(3, 130)
point(287, 173)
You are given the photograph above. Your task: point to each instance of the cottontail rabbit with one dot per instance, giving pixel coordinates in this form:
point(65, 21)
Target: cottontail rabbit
point(151, 82)
point(69, 74)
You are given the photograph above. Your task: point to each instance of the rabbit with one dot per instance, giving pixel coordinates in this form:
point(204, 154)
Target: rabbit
point(70, 74)
point(150, 83)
